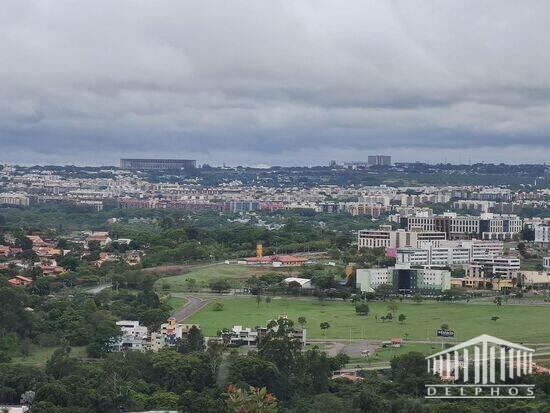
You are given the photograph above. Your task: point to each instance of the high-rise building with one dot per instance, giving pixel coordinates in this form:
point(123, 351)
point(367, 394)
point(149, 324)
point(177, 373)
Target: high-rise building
point(379, 160)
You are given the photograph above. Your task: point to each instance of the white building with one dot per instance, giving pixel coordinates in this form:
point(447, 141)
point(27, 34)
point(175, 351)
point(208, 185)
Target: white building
point(304, 283)
point(504, 267)
point(14, 199)
point(542, 235)
point(133, 337)
point(449, 252)
point(387, 238)
point(404, 279)
point(546, 263)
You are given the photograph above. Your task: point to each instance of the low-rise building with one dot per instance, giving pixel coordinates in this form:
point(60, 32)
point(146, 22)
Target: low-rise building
point(133, 336)
point(304, 283)
point(505, 267)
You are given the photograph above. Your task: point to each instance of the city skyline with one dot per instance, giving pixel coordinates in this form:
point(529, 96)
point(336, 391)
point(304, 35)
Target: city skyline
point(278, 83)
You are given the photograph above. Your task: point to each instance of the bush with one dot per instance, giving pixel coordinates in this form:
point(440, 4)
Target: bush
point(217, 307)
point(362, 308)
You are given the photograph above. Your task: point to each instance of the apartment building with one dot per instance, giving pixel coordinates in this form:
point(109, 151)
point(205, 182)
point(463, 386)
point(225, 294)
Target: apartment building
point(14, 199)
point(387, 238)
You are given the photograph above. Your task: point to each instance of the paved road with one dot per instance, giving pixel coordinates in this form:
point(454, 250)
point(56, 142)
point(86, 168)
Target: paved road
point(192, 305)
point(98, 289)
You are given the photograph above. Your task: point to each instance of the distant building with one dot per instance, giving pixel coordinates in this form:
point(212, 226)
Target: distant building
point(157, 164)
point(305, 283)
point(14, 199)
point(546, 263)
point(487, 226)
point(133, 336)
point(542, 235)
point(240, 335)
point(379, 160)
point(449, 252)
point(388, 238)
point(503, 267)
point(404, 279)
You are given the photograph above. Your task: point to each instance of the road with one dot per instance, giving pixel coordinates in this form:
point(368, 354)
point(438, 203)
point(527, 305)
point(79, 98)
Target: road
point(98, 289)
point(192, 305)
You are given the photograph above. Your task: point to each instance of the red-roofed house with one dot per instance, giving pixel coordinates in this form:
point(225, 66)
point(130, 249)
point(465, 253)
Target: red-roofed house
point(275, 260)
point(20, 280)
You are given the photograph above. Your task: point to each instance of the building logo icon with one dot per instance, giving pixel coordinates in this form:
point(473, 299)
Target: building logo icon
point(481, 368)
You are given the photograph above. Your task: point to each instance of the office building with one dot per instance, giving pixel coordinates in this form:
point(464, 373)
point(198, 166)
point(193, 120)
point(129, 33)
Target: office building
point(388, 238)
point(404, 279)
point(449, 253)
point(157, 164)
point(487, 226)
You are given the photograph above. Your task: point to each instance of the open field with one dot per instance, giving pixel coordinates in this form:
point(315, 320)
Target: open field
point(176, 303)
point(234, 273)
point(517, 323)
point(386, 354)
point(40, 355)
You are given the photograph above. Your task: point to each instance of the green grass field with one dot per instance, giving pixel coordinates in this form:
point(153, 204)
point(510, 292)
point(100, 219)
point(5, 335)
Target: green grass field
point(388, 353)
point(40, 355)
point(234, 273)
point(516, 323)
point(176, 303)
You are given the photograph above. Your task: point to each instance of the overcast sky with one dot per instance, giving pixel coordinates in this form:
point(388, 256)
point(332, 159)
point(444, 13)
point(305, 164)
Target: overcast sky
point(274, 82)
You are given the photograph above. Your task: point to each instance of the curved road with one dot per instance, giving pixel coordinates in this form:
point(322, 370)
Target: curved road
point(192, 305)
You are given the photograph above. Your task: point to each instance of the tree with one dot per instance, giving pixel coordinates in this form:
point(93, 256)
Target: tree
point(409, 373)
point(219, 286)
point(254, 371)
point(253, 400)
point(258, 299)
point(393, 307)
point(402, 318)
point(324, 326)
point(194, 341)
point(191, 284)
point(362, 309)
point(383, 291)
point(268, 300)
point(302, 321)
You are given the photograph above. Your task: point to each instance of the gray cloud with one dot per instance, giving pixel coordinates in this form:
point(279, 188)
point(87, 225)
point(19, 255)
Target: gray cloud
point(282, 82)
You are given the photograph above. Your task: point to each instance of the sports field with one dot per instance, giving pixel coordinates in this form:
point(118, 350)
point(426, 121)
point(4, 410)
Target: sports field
point(517, 323)
point(236, 275)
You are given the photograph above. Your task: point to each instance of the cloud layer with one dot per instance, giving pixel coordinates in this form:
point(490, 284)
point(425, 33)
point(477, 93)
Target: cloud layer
point(282, 82)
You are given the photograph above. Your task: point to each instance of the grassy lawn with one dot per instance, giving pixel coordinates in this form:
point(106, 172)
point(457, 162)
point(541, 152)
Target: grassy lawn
point(516, 323)
point(388, 353)
point(236, 274)
point(40, 355)
point(176, 302)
